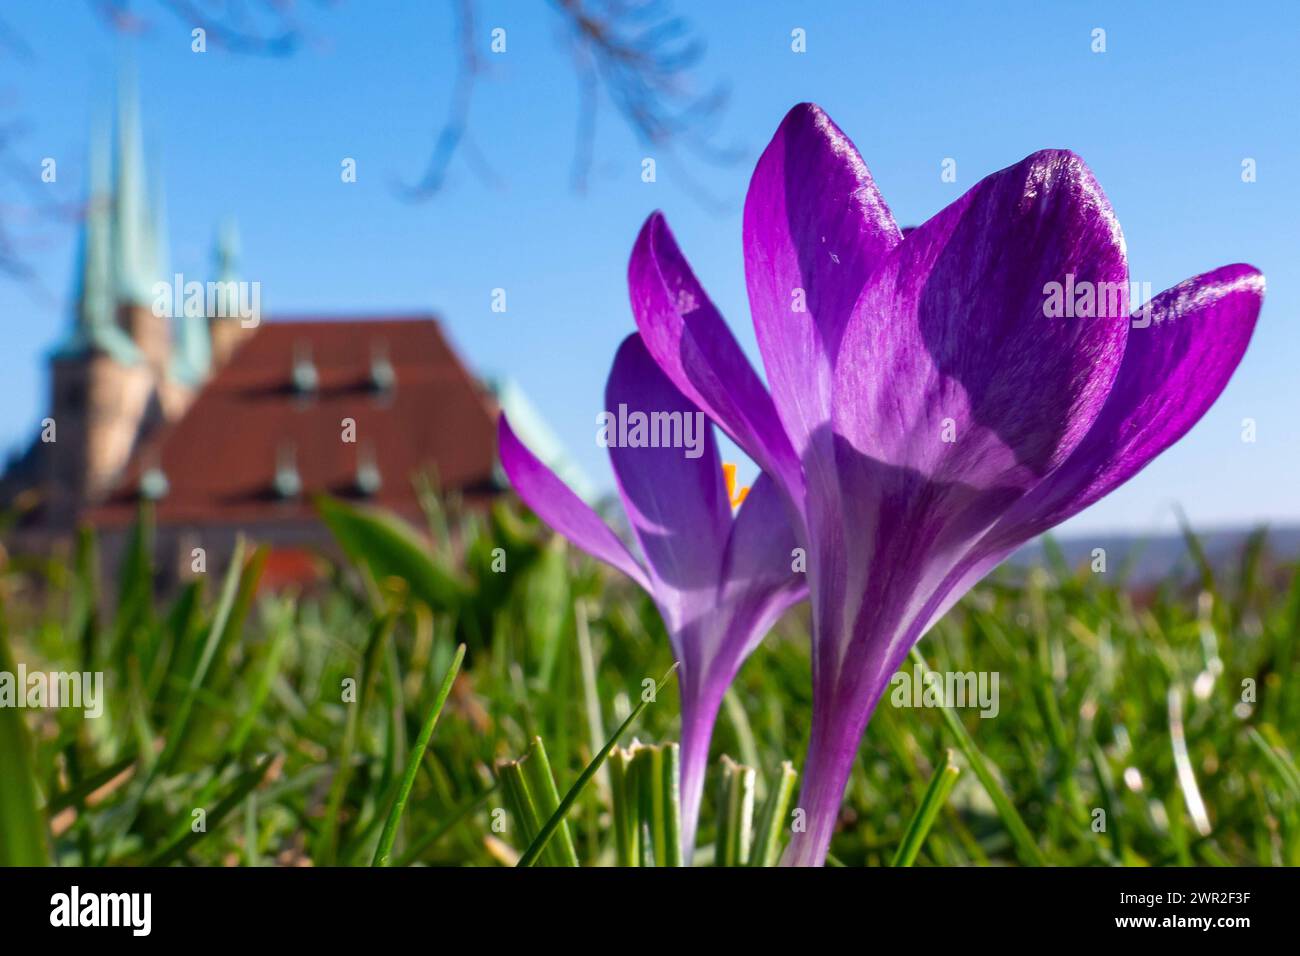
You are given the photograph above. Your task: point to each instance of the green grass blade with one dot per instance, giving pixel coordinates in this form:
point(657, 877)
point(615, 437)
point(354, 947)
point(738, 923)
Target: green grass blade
point(232, 628)
point(176, 644)
point(327, 843)
point(546, 798)
point(1026, 848)
point(456, 816)
point(735, 814)
point(655, 779)
point(1196, 548)
point(590, 688)
point(135, 582)
point(385, 848)
point(936, 794)
point(626, 807)
point(176, 728)
point(771, 819)
point(519, 799)
point(83, 603)
point(1110, 802)
point(74, 796)
point(22, 825)
point(242, 787)
point(1278, 759)
point(667, 820)
point(251, 832)
point(281, 630)
point(389, 548)
point(744, 732)
point(531, 854)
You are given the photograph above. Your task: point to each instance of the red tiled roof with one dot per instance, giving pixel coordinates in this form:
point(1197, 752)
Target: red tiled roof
point(220, 458)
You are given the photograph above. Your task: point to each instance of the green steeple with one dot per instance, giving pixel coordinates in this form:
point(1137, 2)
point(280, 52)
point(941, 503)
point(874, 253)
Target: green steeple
point(133, 253)
point(156, 245)
point(194, 343)
point(227, 251)
point(94, 325)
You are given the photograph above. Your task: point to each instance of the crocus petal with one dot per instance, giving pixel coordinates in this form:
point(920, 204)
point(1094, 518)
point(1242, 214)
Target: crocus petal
point(759, 580)
point(690, 341)
point(815, 227)
point(556, 504)
point(757, 586)
point(1182, 350)
point(758, 566)
point(954, 393)
point(1179, 357)
point(950, 365)
point(674, 495)
point(719, 584)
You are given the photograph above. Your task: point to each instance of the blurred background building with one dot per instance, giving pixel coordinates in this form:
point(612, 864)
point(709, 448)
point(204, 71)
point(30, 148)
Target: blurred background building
point(226, 424)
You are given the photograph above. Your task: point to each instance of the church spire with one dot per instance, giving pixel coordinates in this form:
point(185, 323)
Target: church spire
point(226, 252)
point(95, 295)
point(227, 331)
point(157, 244)
point(94, 326)
point(193, 363)
point(133, 259)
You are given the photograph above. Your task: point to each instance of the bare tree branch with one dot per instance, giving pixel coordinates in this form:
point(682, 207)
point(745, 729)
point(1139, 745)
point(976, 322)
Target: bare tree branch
point(638, 53)
point(645, 58)
point(452, 134)
point(259, 27)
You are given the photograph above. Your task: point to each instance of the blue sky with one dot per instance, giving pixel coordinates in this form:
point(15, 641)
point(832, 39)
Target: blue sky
point(1184, 92)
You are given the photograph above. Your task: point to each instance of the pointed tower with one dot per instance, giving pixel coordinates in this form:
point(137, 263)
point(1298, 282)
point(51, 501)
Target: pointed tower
point(135, 239)
point(192, 359)
point(227, 331)
point(192, 363)
point(100, 381)
point(94, 322)
point(156, 239)
point(130, 206)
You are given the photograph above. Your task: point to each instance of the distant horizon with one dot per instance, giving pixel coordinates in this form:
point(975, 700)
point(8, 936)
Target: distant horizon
point(1153, 533)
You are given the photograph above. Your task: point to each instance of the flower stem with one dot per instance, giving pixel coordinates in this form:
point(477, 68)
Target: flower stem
point(825, 775)
point(699, 713)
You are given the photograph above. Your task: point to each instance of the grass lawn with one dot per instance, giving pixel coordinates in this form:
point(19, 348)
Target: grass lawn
point(1134, 726)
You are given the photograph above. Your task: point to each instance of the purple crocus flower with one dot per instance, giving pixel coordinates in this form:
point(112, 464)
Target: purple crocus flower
point(934, 403)
point(720, 582)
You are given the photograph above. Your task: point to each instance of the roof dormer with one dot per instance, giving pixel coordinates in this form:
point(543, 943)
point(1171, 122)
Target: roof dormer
point(287, 483)
point(306, 380)
point(383, 377)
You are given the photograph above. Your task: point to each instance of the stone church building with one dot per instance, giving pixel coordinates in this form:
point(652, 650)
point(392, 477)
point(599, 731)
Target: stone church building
point(227, 425)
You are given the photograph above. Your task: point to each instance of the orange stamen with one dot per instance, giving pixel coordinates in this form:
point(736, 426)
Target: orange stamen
point(729, 476)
